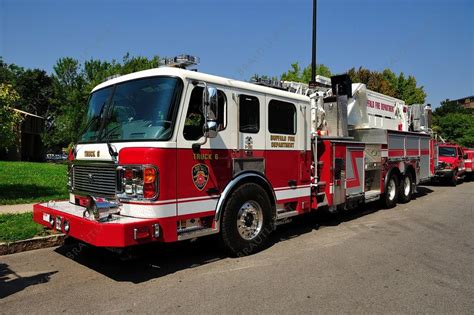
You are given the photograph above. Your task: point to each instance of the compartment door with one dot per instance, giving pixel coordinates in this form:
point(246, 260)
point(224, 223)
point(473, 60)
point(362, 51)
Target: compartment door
point(355, 171)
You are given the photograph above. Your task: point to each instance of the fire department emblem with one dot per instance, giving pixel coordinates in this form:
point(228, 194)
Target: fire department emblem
point(200, 176)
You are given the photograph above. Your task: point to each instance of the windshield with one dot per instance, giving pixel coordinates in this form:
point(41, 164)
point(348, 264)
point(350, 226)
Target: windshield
point(447, 151)
point(135, 110)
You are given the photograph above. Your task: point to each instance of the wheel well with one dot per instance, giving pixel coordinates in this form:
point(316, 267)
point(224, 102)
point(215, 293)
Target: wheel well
point(393, 170)
point(410, 170)
point(241, 179)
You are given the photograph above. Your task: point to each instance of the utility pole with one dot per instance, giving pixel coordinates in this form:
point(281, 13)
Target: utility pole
point(313, 57)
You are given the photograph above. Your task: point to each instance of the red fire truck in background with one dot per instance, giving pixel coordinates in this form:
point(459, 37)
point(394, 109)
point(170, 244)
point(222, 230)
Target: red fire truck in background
point(469, 158)
point(170, 154)
point(451, 163)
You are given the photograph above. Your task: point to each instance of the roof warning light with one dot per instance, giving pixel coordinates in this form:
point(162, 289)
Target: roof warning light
point(181, 61)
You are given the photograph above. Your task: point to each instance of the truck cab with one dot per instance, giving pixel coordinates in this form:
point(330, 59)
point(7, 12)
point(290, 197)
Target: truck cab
point(451, 166)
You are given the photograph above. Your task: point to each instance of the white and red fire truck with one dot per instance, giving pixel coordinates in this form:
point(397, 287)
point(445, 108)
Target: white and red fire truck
point(169, 154)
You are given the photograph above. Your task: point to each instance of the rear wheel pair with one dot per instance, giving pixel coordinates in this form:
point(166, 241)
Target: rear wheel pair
point(396, 190)
point(406, 188)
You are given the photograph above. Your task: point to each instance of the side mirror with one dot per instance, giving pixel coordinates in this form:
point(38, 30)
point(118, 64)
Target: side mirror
point(210, 110)
point(464, 156)
point(210, 129)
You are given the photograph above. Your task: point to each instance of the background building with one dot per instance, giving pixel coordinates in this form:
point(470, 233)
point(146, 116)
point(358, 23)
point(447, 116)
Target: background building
point(29, 146)
point(466, 102)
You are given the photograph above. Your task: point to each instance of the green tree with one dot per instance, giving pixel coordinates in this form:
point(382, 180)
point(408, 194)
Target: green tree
point(457, 127)
point(296, 74)
point(448, 106)
point(35, 88)
point(69, 99)
point(9, 119)
point(134, 64)
point(9, 72)
point(454, 123)
point(388, 83)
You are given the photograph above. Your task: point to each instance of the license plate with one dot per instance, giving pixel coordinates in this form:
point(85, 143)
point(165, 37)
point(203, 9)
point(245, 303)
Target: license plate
point(46, 217)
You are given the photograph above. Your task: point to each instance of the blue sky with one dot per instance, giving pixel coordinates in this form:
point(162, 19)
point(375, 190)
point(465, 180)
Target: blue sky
point(430, 39)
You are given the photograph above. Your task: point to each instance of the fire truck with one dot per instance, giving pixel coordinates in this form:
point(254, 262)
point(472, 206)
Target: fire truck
point(170, 154)
point(451, 166)
point(469, 157)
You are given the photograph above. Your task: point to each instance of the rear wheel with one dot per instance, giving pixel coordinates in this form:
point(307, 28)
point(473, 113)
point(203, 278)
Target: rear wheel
point(390, 196)
point(406, 188)
point(246, 221)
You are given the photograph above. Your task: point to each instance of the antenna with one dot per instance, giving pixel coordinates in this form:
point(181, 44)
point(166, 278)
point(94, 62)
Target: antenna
point(313, 57)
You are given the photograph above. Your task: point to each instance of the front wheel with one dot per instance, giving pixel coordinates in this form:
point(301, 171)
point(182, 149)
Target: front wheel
point(246, 221)
point(453, 181)
point(406, 189)
point(390, 196)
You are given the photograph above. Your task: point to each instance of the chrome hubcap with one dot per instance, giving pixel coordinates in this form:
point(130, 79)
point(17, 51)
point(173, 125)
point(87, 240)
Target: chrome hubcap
point(249, 220)
point(407, 186)
point(391, 189)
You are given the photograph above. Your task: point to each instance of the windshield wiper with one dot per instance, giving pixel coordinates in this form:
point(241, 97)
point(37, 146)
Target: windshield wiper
point(106, 136)
point(93, 119)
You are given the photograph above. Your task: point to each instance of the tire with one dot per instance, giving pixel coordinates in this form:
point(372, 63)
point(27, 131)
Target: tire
point(390, 196)
point(246, 221)
point(453, 181)
point(406, 188)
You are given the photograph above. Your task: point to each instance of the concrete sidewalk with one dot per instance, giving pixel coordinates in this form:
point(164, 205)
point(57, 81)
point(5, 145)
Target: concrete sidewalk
point(21, 208)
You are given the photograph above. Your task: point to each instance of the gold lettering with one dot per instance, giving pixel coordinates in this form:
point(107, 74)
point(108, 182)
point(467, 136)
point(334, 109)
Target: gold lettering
point(89, 153)
point(277, 138)
point(282, 145)
point(205, 156)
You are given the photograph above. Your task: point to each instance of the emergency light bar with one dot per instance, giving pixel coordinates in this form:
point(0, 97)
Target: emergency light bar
point(181, 61)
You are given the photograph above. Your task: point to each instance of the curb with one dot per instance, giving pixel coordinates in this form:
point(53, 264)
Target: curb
point(32, 243)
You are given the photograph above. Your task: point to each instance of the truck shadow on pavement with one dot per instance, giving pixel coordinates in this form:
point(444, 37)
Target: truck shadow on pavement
point(158, 260)
point(11, 282)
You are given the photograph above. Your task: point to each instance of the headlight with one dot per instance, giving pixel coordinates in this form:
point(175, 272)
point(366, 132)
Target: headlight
point(138, 182)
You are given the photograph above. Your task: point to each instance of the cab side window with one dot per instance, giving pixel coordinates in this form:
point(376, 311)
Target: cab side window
point(195, 118)
point(281, 117)
point(249, 114)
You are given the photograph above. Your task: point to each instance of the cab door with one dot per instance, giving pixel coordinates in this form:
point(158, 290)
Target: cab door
point(203, 174)
point(287, 153)
point(251, 130)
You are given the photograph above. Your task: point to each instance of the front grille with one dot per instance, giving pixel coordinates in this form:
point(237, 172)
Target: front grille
point(95, 179)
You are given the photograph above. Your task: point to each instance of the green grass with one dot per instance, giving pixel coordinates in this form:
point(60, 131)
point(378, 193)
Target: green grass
point(15, 227)
point(27, 182)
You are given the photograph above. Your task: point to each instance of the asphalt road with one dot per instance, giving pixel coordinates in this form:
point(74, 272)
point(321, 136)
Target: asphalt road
point(415, 258)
